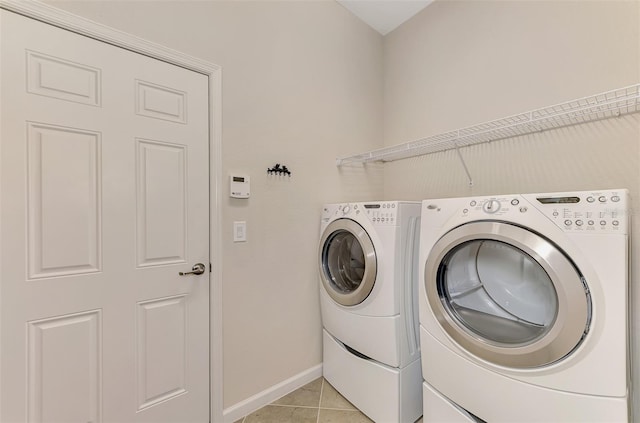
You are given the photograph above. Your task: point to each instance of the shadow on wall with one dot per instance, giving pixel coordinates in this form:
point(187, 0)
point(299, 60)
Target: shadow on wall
point(360, 182)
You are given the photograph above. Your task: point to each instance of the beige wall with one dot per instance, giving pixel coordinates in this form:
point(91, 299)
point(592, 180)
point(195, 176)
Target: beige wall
point(302, 85)
point(460, 63)
point(304, 82)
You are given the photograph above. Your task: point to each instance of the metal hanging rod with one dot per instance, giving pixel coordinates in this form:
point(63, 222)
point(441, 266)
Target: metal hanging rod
point(605, 105)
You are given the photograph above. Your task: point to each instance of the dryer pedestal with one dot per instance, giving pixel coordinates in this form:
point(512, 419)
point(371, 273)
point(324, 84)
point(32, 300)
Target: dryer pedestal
point(385, 394)
point(438, 408)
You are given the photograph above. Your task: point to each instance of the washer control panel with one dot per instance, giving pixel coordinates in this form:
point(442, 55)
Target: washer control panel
point(591, 211)
point(384, 213)
point(379, 213)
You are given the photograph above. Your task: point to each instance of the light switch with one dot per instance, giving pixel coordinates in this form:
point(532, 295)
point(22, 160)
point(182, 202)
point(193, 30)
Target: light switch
point(240, 231)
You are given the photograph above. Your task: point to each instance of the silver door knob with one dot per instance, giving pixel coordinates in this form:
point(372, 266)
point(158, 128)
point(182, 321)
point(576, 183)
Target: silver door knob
point(197, 269)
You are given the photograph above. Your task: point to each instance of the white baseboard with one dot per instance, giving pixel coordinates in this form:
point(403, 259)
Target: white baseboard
point(259, 400)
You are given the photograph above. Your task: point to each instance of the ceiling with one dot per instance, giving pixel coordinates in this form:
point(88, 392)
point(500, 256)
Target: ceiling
point(384, 15)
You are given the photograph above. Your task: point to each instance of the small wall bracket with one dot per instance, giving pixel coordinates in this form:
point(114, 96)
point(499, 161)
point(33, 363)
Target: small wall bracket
point(464, 165)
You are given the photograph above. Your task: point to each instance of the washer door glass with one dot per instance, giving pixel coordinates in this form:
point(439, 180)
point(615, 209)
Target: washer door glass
point(498, 292)
point(347, 262)
point(506, 294)
point(344, 262)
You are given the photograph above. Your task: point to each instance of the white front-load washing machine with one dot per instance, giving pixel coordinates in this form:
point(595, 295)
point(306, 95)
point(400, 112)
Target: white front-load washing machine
point(368, 298)
point(523, 308)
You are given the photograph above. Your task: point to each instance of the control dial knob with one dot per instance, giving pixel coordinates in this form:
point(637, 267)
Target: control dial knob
point(491, 206)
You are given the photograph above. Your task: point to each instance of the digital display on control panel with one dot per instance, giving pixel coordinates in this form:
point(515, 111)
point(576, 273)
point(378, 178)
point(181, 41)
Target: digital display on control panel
point(558, 200)
point(238, 179)
point(372, 206)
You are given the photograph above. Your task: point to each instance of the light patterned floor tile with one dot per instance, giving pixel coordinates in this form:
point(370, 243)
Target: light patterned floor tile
point(301, 406)
point(308, 395)
point(333, 399)
point(283, 414)
point(342, 416)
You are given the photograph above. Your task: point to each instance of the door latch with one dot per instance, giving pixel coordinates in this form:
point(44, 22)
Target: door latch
point(197, 269)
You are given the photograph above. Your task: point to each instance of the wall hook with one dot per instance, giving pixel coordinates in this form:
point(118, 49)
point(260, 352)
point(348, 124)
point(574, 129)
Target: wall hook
point(279, 170)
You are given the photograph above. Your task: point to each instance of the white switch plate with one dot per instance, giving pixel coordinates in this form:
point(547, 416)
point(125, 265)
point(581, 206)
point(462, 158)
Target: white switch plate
point(240, 231)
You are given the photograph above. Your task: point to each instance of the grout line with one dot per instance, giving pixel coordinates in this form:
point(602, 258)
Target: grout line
point(311, 406)
point(290, 406)
point(320, 400)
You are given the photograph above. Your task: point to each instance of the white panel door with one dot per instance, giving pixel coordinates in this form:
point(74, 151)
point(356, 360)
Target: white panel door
point(104, 199)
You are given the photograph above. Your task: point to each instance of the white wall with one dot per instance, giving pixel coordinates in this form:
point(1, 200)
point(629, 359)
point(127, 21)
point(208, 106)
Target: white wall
point(460, 63)
point(302, 85)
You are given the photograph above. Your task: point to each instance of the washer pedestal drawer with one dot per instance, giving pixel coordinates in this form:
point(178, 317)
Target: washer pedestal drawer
point(385, 394)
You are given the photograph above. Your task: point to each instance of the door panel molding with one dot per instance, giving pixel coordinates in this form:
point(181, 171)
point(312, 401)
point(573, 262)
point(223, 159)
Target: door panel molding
point(47, 77)
point(65, 347)
point(51, 219)
point(70, 22)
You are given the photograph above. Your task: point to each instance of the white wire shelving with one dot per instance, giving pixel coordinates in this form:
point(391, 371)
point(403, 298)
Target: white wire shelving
point(605, 105)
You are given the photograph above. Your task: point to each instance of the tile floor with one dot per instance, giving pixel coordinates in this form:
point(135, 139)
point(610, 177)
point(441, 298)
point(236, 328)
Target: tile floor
point(316, 402)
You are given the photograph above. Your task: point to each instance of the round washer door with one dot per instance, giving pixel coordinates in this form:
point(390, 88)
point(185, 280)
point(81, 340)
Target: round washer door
point(347, 262)
point(507, 295)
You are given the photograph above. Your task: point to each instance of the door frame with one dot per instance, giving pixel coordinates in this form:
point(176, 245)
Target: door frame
point(70, 22)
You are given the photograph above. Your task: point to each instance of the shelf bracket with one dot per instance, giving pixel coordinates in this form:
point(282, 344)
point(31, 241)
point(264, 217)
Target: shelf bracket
point(464, 165)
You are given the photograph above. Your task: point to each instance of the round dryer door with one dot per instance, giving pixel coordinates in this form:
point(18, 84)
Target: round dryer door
point(507, 295)
point(347, 262)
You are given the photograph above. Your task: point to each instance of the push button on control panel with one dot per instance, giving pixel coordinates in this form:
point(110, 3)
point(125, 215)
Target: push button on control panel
point(383, 213)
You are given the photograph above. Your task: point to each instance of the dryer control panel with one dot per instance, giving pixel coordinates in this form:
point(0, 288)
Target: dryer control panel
point(583, 211)
point(591, 211)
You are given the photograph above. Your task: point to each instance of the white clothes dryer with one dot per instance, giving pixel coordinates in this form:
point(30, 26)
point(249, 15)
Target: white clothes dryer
point(368, 298)
point(524, 307)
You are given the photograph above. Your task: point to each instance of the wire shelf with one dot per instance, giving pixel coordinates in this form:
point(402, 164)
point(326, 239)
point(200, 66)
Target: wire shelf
point(606, 105)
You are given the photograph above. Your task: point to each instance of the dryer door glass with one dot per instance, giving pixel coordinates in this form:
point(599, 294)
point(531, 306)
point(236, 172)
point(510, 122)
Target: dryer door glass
point(498, 292)
point(347, 262)
point(507, 294)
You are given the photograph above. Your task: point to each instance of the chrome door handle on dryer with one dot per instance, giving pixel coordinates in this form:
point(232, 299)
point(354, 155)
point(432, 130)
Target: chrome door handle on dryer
point(197, 269)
